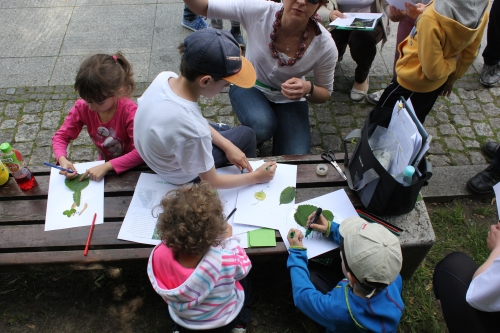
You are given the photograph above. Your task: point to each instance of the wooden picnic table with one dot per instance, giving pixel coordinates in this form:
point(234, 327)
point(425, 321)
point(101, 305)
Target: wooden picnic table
point(24, 245)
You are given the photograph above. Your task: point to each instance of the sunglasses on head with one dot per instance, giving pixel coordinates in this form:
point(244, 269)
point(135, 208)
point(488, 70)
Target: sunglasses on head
point(313, 2)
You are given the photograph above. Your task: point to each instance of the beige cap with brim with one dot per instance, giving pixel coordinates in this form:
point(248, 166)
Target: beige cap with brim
point(372, 252)
point(246, 77)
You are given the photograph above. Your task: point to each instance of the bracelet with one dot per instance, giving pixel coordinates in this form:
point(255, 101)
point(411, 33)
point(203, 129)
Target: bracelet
point(309, 94)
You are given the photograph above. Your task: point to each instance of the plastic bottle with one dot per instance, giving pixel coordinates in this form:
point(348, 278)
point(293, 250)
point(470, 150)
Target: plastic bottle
point(4, 174)
point(13, 160)
point(406, 177)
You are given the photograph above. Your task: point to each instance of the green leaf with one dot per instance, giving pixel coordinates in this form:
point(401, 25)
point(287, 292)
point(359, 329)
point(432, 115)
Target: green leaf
point(302, 213)
point(69, 212)
point(287, 195)
point(261, 196)
point(328, 215)
point(77, 186)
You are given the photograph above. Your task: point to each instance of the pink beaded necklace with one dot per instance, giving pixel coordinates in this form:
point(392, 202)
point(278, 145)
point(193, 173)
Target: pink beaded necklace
point(302, 46)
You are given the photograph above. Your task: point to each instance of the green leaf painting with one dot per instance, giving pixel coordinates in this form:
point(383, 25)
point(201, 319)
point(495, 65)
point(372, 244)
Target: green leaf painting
point(69, 212)
point(77, 186)
point(287, 195)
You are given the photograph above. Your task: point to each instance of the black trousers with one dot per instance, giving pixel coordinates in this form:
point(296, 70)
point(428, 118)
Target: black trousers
point(491, 53)
point(451, 280)
point(422, 102)
point(363, 46)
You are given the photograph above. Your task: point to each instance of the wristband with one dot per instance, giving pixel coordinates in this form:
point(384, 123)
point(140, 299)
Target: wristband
point(309, 94)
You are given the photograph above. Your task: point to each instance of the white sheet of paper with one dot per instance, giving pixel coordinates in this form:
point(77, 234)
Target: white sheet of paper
point(496, 188)
point(60, 199)
point(350, 17)
point(139, 223)
point(339, 204)
point(267, 213)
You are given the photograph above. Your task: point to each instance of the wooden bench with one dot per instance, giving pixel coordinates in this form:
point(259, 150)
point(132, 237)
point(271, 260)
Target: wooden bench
point(24, 245)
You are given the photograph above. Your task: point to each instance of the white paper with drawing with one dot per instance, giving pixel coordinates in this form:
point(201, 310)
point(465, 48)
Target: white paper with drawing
point(259, 204)
point(337, 203)
point(139, 224)
point(74, 206)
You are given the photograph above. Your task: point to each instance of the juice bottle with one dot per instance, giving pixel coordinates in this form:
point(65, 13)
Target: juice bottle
point(4, 174)
point(13, 160)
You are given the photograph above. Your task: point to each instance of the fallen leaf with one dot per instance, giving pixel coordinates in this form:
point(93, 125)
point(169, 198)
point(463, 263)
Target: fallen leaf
point(40, 294)
point(493, 200)
point(287, 195)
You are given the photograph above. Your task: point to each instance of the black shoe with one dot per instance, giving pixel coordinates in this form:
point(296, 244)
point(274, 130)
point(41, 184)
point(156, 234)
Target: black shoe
point(484, 181)
point(490, 148)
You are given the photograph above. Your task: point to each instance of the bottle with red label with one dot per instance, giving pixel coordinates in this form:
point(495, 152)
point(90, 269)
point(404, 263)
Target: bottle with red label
point(13, 160)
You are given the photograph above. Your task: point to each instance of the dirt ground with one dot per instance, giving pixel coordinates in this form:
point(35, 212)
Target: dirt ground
point(122, 300)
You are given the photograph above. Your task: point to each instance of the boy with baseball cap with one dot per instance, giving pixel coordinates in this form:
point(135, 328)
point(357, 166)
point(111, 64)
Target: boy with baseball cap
point(170, 132)
point(369, 298)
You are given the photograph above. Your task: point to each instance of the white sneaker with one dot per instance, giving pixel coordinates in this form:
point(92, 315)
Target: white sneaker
point(375, 97)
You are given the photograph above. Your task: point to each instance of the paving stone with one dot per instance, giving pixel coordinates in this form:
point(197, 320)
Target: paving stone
point(465, 94)
point(442, 117)
point(491, 110)
point(53, 105)
point(226, 110)
point(459, 159)
point(44, 138)
point(339, 108)
point(226, 120)
point(495, 91)
point(360, 122)
point(436, 148)
point(327, 129)
point(471, 105)
point(40, 155)
point(446, 129)
point(495, 123)
point(482, 129)
point(466, 132)
point(484, 96)
point(461, 120)
point(344, 121)
point(432, 131)
point(439, 105)
point(457, 109)
point(210, 111)
point(476, 116)
point(439, 160)
point(27, 132)
point(332, 142)
point(315, 138)
point(312, 122)
point(68, 105)
point(24, 148)
point(32, 107)
point(324, 115)
point(471, 144)
point(51, 120)
point(82, 154)
point(12, 110)
point(339, 96)
point(430, 121)
point(453, 98)
point(8, 124)
point(30, 118)
point(6, 136)
point(477, 158)
point(453, 143)
point(359, 110)
point(11, 91)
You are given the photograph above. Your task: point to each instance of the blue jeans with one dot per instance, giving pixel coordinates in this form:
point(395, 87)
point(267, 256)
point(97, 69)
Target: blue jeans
point(241, 136)
point(286, 123)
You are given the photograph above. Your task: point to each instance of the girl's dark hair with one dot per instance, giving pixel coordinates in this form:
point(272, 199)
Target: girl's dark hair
point(186, 71)
point(192, 219)
point(102, 76)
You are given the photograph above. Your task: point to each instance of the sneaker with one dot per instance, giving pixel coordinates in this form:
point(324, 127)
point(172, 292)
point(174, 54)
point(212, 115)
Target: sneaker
point(375, 97)
point(239, 39)
point(194, 25)
point(490, 75)
point(484, 181)
point(239, 329)
point(490, 148)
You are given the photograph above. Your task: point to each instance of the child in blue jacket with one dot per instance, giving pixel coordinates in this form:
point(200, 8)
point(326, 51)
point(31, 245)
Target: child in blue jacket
point(369, 298)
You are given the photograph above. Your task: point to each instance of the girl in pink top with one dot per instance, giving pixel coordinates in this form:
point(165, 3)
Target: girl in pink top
point(105, 84)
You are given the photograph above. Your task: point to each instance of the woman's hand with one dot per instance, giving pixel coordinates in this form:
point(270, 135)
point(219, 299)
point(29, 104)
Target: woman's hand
point(98, 172)
point(295, 237)
point(334, 14)
point(396, 15)
point(63, 162)
point(320, 225)
point(414, 11)
point(294, 89)
point(238, 158)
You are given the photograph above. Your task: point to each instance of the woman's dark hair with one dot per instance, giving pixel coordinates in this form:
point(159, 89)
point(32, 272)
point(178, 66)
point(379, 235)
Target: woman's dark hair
point(192, 219)
point(186, 71)
point(102, 76)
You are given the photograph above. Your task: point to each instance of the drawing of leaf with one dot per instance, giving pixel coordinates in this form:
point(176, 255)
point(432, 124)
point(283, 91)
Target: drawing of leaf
point(69, 212)
point(302, 213)
point(261, 196)
point(287, 195)
point(328, 215)
point(77, 186)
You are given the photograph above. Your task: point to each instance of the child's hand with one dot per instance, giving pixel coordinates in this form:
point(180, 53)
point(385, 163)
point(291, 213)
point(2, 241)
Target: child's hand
point(295, 237)
point(265, 172)
point(63, 162)
point(229, 231)
point(321, 224)
point(98, 172)
point(238, 158)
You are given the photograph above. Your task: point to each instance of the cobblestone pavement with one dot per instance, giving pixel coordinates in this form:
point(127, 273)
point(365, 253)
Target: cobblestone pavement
point(460, 125)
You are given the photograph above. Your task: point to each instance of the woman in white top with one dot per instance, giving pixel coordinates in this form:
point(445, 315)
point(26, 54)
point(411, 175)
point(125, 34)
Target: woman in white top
point(470, 295)
point(285, 42)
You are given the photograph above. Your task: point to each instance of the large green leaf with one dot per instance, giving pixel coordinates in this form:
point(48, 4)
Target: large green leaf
point(328, 215)
point(77, 186)
point(302, 213)
point(287, 195)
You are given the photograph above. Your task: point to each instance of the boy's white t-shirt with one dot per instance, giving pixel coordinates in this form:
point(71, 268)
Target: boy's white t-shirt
point(484, 291)
point(171, 134)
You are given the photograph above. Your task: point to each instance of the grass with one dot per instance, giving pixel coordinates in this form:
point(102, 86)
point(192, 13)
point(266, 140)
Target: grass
point(454, 232)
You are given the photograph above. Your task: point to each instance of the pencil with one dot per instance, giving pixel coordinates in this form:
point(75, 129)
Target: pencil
point(58, 167)
point(90, 235)
point(231, 214)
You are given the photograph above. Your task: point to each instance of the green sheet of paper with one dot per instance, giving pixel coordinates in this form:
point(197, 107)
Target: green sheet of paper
point(262, 237)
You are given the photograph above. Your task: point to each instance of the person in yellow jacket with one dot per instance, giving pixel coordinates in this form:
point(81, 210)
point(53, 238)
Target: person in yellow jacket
point(440, 48)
